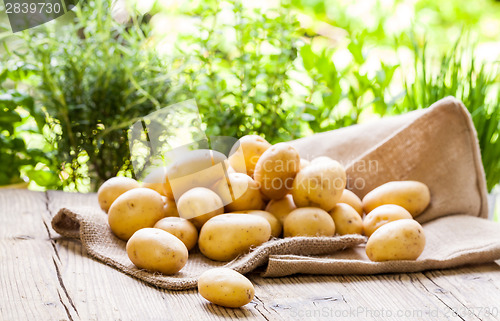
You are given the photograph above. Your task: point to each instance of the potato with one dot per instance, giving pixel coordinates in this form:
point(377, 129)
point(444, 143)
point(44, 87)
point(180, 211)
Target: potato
point(180, 228)
point(304, 163)
point(276, 170)
point(276, 226)
point(412, 195)
point(346, 219)
point(242, 193)
point(352, 199)
point(308, 221)
point(155, 250)
point(226, 236)
point(169, 207)
point(199, 205)
point(225, 287)
point(196, 168)
point(281, 208)
point(246, 152)
point(383, 215)
point(135, 209)
point(397, 240)
point(112, 188)
point(319, 185)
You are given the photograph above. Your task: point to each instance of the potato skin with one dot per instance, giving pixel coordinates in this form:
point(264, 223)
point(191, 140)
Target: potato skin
point(243, 189)
point(397, 240)
point(112, 188)
point(276, 226)
point(319, 185)
point(226, 236)
point(180, 228)
point(352, 199)
point(157, 251)
point(308, 221)
point(346, 219)
point(276, 169)
point(225, 287)
point(383, 215)
point(198, 205)
point(281, 208)
point(412, 195)
point(246, 152)
point(133, 210)
point(169, 207)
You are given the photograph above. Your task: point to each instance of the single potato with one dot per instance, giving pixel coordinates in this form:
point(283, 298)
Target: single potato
point(239, 192)
point(352, 199)
point(246, 152)
point(276, 170)
point(308, 221)
point(225, 287)
point(199, 205)
point(383, 215)
point(195, 168)
point(319, 185)
point(346, 219)
point(412, 195)
point(226, 236)
point(112, 188)
point(180, 228)
point(133, 210)
point(397, 240)
point(155, 250)
point(276, 226)
point(281, 208)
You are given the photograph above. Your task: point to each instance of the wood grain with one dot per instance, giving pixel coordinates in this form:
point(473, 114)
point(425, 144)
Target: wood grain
point(46, 277)
point(30, 285)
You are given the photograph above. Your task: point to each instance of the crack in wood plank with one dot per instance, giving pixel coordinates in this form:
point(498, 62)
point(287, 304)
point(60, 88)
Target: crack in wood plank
point(437, 297)
point(453, 295)
point(263, 306)
point(56, 264)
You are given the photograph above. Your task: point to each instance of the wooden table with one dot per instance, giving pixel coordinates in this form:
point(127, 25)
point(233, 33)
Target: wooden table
point(45, 277)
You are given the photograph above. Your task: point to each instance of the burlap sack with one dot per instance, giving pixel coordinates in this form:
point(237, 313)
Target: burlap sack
point(437, 146)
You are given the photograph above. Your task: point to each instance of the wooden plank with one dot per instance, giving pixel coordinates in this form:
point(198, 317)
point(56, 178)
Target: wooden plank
point(476, 289)
point(30, 287)
point(388, 297)
point(60, 281)
point(100, 292)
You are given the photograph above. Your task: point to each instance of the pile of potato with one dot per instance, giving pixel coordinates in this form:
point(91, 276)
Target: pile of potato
point(228, 206)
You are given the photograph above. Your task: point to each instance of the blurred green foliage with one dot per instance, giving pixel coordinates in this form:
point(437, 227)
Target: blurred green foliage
point(282, 71)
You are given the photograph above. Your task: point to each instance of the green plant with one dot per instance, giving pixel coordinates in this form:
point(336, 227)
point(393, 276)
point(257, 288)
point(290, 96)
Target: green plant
point(475, 83)
point(239, 64)
point(94, 78)
point(18, 160)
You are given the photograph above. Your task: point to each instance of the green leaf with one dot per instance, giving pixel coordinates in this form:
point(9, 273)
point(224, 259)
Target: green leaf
point(43, 177)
